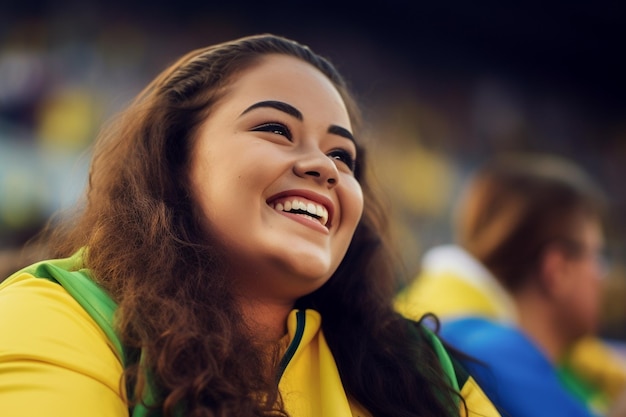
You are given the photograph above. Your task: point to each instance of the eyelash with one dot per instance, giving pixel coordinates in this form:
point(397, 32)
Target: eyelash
point(276, 128)
point(345, 157)
point(282, 130)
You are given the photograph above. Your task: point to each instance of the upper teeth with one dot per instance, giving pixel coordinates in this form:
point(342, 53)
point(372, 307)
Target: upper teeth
point(317, 210)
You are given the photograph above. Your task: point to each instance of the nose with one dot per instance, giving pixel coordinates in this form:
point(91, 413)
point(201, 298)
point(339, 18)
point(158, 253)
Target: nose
point(317, 166)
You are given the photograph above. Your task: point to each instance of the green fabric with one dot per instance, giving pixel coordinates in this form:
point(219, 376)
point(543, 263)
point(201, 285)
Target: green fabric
point(77, 281)
point(444, 358)
point(582, 389)
point(446, 361)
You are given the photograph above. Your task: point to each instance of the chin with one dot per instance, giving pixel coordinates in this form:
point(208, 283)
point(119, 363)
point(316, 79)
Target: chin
point(305, 262)
point(311, 272)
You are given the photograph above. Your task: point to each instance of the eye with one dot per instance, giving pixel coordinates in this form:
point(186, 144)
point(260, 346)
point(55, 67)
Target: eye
point(275, 128)
point(345, 157)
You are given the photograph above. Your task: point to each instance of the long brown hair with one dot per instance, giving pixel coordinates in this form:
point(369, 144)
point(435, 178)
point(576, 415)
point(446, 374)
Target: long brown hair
point(145, 247)
point(517, 204)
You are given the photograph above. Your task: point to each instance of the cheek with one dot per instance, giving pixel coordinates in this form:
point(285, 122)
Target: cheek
point(207, 196)
point(353, 203)
point(590, 291)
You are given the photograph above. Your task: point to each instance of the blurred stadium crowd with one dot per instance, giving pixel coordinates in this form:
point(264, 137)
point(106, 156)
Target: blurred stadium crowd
point(435, 105)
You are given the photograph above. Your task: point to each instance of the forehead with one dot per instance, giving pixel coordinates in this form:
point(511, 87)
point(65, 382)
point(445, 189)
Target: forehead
point(292, 80)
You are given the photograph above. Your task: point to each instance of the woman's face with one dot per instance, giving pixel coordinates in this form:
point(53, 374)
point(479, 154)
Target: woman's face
point(581, 303)
point(271, 172)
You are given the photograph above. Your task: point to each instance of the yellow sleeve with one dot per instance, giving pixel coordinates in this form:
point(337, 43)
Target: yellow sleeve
point(445, 295)
point(55, 361)
point(477, 404)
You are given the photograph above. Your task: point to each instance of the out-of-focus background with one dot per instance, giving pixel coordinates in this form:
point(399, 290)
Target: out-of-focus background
point(444, 85)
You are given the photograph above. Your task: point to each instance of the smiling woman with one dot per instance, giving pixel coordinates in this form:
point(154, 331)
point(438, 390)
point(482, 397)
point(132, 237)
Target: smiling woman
point(229, 260)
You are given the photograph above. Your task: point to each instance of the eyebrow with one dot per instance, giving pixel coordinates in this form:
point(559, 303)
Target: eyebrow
point(292, 111)
point(338, 130)
point(278, 105)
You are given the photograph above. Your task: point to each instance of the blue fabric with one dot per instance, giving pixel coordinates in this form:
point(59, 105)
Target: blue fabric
point(514, 373)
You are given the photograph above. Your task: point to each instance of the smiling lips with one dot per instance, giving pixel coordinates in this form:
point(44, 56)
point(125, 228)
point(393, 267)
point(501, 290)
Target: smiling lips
point(302, 207)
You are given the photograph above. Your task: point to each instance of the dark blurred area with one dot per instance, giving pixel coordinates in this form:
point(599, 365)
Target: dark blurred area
point(444, 84)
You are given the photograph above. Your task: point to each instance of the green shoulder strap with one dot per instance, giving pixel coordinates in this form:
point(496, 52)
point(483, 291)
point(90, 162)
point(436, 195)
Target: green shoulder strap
point(444, 358)
point(77, 281)
point(446, 361)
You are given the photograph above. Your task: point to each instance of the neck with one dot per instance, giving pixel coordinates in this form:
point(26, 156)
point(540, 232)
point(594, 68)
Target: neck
point(537, 320)
point(266, 319)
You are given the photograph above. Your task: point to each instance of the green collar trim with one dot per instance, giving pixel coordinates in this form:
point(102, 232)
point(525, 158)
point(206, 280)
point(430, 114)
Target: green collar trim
point(293, 346)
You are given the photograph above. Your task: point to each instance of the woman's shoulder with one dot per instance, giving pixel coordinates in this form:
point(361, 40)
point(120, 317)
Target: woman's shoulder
point(54, 357)
point(41, 321)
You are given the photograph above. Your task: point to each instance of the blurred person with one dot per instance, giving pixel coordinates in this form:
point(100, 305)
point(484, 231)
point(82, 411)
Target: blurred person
point(520, 291)
point(230, 260)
